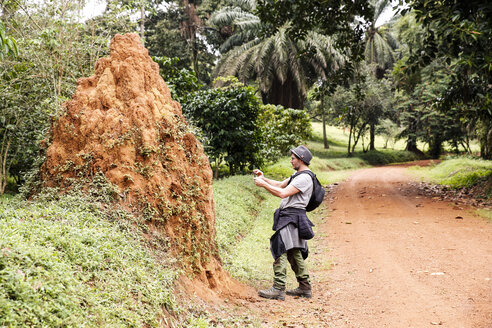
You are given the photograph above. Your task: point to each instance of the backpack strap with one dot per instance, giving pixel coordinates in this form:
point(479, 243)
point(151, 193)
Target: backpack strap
point(298, 173)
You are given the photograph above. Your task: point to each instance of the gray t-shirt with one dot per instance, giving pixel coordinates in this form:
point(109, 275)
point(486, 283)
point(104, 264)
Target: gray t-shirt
point(304, 183)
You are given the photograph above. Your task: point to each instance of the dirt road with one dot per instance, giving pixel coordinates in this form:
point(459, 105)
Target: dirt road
point(388, 257)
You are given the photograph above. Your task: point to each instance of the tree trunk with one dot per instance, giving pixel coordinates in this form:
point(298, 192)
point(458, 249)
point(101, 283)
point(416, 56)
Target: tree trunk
point(436, 146)
point(3, 163)
point(188, 29)
point(323, 117)
point(285, 94)
point(372, 135)
point(350, 140)
point(356, 140)
point(412, 135)
point(486, 144)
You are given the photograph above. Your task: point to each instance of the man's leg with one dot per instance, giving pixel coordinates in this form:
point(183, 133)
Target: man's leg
point(299, 267)
point(280, 275)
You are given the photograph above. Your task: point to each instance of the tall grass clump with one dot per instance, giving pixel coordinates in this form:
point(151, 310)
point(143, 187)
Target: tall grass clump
point(64, 264)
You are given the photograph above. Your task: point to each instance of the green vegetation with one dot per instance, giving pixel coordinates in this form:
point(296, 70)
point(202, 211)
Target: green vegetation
point(239, 130)
point(66, 263)
point(228, 117)
point(485, 212)
point(458, 172)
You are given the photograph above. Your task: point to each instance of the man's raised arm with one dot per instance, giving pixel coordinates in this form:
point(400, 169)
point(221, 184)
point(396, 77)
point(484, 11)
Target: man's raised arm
point(276, 188)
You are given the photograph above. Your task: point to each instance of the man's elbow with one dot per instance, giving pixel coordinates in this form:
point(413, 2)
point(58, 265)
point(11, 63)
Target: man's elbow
point(283, 194)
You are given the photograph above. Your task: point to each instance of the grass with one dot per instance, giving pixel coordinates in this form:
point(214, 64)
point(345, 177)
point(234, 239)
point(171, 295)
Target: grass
point(457, 172)
point(63, 263)
point(485, 212)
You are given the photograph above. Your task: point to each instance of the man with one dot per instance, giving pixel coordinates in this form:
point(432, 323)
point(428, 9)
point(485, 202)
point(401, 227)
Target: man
point(291, 226)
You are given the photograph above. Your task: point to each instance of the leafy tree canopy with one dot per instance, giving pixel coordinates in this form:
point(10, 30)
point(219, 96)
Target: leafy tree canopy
point(459, 33)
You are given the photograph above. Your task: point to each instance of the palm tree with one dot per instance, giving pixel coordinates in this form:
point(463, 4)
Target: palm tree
point(380, 52)
point(380, 43)
point(283, 75)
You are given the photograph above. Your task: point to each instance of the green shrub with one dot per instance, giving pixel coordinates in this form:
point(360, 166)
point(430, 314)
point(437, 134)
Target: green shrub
point(181, 81)
point(228, 117)
point(383, 157)
point(282, 129)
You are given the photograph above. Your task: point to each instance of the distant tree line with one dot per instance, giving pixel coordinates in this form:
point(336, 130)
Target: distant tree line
point(424, 76)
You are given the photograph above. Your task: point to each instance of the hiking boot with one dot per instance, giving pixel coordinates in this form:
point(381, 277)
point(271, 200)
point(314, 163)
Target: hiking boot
point(272, 293)
point(304, 290)
point(300, 292)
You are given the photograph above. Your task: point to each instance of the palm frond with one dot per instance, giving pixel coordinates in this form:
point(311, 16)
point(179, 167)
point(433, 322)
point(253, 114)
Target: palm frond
point(228, 15)
point(249, 5)
point(379, 7)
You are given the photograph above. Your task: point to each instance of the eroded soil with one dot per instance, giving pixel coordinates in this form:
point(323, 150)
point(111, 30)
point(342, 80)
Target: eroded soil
point(389, 257)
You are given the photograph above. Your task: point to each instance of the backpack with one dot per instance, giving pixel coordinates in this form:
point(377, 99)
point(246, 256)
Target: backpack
point(318, 191)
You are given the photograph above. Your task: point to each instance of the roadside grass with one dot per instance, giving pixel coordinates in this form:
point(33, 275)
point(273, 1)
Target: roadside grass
point(485, 213)
point(463, 172)
point(65, 264)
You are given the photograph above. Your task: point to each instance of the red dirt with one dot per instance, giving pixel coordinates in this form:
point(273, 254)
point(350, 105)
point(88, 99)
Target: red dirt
point(387, 257)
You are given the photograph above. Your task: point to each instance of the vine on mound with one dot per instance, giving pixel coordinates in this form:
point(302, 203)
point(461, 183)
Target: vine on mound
point(123, 126)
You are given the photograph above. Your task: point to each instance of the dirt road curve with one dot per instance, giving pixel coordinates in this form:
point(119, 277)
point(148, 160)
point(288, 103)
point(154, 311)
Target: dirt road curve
point(388, 257)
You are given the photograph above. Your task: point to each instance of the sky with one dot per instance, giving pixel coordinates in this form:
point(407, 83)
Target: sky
point(93, 8)
point(96, 7)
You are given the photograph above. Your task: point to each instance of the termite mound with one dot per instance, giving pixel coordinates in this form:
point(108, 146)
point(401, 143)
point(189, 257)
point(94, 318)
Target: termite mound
point(122, 127)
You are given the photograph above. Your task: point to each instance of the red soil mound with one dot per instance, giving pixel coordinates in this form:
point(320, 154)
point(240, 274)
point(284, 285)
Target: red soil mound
point(122, 127)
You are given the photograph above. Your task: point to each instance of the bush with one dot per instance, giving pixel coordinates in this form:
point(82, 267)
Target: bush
point(282, 129)
point(181, 82)
point(228, 118)
point(377, 157)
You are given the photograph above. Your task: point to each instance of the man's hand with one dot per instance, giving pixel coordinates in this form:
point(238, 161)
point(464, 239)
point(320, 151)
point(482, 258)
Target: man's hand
point(257, 173)
point(259, 181)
